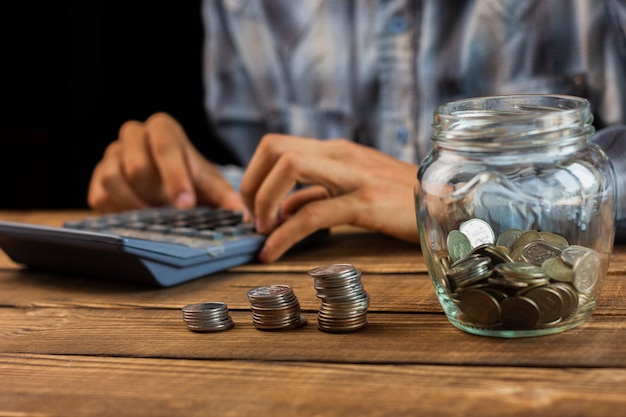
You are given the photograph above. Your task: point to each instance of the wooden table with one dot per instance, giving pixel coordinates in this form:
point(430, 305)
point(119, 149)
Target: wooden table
point(83, 346)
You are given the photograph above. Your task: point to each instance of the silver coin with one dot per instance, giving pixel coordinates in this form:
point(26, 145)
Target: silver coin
point(331, 270)
point(495, 253)
point(207, 317)
point(477, 231)
point(526, 238)
point(459, 245)
point(505, 283)
point(344, 299)
point(571, 254)
point(275, 307)
point(342, 329)
point(586, 271)
point(204, 307)
point(445, 263)
point(508, 237)
point(538, 251)
point(554, 239)
point(473, 263)
point(558, 270)
point(539, 284)
point(270, 291)
point(204, 328)
point(294, 324)
point(521, 270)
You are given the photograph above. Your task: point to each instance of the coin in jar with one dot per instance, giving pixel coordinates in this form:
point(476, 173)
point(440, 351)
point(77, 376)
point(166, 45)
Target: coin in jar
point(481, 307)
point(555, 239)
point(520, 270)
point(477, 231)
point(569, 295)
point(493, 252)
point(459, 245)
point(538, 251)
point(586, 271)
point(508, 237)
point(571, 254)
point(548, 300)
point(524, 239)
point(519, 312)
point(558, 270)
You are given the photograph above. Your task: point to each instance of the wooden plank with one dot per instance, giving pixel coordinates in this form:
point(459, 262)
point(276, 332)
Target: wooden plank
point(410, 293)
point(398, 292)
point(95, 347)
point(370, 252)
point(357, 246)
point(93, 386)
point(388, 338)
point(46, 217)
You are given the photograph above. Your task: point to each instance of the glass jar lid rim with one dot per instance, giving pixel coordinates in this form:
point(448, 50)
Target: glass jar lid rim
point(514, 105)
point(517, 121)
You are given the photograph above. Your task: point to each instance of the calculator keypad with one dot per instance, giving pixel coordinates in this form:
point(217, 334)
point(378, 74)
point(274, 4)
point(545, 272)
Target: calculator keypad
point(194, 227)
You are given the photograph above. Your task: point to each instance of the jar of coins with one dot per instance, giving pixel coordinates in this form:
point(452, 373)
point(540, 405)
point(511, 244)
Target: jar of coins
point(515, 211)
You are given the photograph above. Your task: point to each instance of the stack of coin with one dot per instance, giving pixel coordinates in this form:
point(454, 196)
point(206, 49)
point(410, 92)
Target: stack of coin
point(275, 307)
point(519, 280)
point(207, 317)
point(344, 300)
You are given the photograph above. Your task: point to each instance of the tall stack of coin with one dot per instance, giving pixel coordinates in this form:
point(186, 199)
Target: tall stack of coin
point(517, 280)
point(275, 307)
point(207, 317)
point(344, 300)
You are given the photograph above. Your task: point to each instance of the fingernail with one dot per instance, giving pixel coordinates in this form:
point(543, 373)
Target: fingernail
point(184, 200)
point(247, 215)
point(258, 226)
point(263, 254)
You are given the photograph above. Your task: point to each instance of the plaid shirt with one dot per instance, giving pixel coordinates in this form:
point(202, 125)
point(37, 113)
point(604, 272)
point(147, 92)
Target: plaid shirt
point(373, 71)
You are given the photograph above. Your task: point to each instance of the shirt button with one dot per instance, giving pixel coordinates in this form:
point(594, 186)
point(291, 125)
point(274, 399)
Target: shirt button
point(402, 135)
point(397, 24)
point(273, 114)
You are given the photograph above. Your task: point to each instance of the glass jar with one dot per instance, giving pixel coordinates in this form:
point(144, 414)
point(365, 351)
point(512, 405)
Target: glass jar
point(515, 211)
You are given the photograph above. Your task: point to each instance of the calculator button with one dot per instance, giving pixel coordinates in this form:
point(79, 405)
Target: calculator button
point(210, 235)
point(183, 231)
point(159, 228)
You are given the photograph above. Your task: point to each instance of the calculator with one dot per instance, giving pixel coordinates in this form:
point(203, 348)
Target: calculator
point(161, 246)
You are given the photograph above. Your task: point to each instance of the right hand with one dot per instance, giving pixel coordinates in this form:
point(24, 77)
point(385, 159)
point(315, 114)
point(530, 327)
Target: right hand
point(346, 183)
point(152, 164)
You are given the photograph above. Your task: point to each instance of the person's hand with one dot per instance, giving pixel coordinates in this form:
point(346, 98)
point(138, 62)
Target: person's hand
point(346, 183)
point(153, 164)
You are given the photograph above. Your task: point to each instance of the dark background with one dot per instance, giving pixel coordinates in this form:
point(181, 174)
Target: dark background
point(73, 72)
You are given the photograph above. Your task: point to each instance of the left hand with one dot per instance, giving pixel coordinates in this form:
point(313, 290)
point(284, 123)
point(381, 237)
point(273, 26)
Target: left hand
point(347, 183)
point(153, 163)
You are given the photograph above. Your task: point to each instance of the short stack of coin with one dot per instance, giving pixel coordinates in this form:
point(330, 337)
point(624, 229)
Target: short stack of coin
point(275, 307)
point(207, 317)
point(519, 280)
point(344, 300)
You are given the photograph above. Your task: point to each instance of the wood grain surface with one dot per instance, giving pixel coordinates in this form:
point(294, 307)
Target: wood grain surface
point(81, 346)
